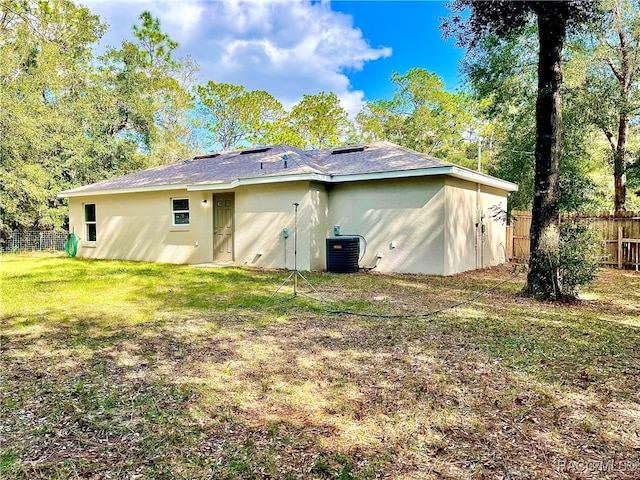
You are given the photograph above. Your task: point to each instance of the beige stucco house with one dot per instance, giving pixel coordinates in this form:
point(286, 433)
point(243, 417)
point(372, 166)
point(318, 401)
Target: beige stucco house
point(417, 214)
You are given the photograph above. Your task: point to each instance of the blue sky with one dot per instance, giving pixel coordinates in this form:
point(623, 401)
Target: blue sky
point(292, 47)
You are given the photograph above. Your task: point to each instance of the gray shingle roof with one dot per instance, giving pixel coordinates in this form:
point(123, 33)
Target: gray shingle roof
point(276, 161)
point(374, 158)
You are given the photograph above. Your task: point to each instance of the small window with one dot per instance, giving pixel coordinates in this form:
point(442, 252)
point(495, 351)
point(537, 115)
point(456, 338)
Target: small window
point(90, 229)
point(180, 211)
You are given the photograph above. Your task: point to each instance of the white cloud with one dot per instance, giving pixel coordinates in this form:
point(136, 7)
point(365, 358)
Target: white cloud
point(287, 48)
point(183, 17)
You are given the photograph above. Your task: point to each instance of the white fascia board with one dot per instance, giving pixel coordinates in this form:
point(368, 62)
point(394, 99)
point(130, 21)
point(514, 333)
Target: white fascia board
point(308, 177)
point(117, 191)
point(423, 172)
point(451, 170)
point(213, 186)
point(481, 178)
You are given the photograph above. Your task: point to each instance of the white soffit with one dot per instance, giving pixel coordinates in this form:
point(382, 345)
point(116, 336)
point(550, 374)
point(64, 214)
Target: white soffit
point(453, 171)
point(120, 191)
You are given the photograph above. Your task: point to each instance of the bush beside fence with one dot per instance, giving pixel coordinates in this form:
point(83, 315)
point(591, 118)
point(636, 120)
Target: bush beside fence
point(619, 236)
point(39, 241)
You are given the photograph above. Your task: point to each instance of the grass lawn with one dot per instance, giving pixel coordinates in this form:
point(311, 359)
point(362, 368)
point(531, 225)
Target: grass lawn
point(130, 370)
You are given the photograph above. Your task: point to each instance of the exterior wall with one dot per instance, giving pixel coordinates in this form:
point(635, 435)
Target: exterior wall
point(467, 247)
point(416, 225)
point(496, 228)
point(319, 225)
point(402, 220)
point(138, 227)
point(262, 212)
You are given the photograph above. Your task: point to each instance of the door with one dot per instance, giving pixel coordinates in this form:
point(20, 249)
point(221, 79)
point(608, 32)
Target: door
point(223, 213)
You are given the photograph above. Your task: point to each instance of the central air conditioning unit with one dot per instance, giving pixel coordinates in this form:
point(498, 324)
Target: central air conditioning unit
point(343, 254)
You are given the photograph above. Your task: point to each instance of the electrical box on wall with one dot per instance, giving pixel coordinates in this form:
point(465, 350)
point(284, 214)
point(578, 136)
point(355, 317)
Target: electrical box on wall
point(336, 230)
point(285, 232)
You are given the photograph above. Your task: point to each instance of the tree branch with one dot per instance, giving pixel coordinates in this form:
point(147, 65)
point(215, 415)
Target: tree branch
point(614, 70)
point(609, 136)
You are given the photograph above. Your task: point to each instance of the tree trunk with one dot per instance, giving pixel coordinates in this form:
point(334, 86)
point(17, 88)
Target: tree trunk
point(624, 76)
point(542, 279)
point(620, 167)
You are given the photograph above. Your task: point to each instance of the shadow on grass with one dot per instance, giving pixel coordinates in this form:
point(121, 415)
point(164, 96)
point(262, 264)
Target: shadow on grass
point(124, 402)
point(199, 375)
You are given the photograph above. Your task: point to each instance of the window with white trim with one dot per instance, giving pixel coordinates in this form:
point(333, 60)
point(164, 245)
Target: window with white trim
point(90, 226)
point(180, 212)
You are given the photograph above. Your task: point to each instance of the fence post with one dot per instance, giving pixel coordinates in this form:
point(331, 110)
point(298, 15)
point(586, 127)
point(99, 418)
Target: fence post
point(620, 247)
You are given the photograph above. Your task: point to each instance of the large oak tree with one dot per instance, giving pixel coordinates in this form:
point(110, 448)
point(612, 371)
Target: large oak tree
point(554, 20)
point(612, 81)
point(68, 118)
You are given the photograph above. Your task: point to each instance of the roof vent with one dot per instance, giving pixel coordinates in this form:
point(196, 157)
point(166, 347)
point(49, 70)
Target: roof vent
point(208, 155)
point(338, 151)
point(255, 150)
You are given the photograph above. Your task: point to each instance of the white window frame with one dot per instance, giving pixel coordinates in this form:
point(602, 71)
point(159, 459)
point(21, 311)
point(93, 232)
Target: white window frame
point(174, 212)
point(87, 223)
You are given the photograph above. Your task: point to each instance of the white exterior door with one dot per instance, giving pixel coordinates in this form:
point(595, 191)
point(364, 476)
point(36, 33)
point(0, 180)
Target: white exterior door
point(223, 214)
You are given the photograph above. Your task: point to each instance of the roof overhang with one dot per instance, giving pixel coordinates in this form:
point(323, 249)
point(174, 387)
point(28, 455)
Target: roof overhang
point(482, 179)
point(453, 171)
point(450, 170)
point(118, 191)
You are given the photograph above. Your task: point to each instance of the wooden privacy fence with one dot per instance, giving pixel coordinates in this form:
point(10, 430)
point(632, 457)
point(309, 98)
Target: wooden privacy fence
point(619, 235)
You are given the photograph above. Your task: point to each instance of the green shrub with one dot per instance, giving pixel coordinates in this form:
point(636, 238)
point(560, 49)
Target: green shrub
point(579, 257)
